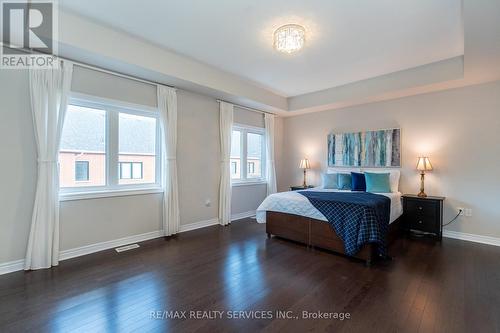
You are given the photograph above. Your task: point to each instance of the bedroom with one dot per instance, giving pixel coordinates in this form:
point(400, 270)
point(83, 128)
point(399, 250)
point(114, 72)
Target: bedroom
point(203, 262)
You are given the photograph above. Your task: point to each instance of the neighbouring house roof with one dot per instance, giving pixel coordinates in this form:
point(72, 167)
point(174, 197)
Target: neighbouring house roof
point(85, 130)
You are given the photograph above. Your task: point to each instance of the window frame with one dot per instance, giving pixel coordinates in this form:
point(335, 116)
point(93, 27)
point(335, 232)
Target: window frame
point(120, 170)
point(244, 180)
point(88, 171)
point(112, 187)
point(142, 170)
point(131, 170)
point(235, 167)
point(251, 166)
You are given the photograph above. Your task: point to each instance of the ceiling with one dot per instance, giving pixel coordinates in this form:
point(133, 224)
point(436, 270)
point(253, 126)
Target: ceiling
point(346, 41)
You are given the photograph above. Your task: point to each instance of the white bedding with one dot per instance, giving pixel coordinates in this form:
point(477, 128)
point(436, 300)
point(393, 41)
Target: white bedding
point(295, 203)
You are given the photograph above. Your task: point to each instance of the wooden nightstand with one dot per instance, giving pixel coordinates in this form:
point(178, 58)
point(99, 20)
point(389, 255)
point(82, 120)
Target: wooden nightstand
point(423, 215)
point(300, 187)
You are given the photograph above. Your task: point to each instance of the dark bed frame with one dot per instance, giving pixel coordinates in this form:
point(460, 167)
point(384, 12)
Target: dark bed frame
point(317, 233)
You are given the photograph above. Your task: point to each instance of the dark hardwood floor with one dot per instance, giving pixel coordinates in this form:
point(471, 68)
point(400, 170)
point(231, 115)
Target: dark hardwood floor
point(428, 287)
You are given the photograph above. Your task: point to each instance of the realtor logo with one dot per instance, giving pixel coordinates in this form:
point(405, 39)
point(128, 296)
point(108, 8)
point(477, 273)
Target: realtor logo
point(28, 34)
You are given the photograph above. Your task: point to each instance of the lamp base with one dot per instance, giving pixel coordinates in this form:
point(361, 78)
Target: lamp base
point(422, 195)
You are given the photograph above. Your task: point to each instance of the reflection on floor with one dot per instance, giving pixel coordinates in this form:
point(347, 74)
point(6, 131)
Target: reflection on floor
point(233, 272)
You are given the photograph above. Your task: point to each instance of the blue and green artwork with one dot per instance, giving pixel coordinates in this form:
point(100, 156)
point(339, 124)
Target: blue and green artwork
point(365, 149)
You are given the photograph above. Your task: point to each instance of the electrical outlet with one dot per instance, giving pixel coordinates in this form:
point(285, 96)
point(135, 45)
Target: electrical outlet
point(208, 203)
point(468, 212)
point(461, 210)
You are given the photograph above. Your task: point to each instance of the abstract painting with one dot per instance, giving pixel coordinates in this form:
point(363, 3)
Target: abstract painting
point(369, 149)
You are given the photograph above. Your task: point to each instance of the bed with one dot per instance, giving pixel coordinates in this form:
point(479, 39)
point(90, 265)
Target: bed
point(290, 215)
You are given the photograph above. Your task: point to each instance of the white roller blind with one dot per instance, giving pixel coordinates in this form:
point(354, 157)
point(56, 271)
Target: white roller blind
point(247, 117)
point(106, 85)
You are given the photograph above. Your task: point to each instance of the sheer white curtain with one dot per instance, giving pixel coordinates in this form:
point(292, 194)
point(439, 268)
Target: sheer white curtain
point(167, 105)
point(49, 89)
point(270, 168)
point(226, 129)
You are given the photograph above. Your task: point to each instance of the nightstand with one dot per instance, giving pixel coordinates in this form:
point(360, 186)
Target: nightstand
point(423, 215)
point(300, 187)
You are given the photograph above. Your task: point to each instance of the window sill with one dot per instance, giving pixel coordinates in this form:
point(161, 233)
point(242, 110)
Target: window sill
point(248, 183)
point(107, 193)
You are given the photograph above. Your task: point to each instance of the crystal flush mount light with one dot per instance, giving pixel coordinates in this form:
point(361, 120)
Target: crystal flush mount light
point(289, 38)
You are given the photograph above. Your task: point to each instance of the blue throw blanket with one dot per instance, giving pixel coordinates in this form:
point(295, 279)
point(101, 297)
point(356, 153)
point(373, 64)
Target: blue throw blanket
point(358, 218)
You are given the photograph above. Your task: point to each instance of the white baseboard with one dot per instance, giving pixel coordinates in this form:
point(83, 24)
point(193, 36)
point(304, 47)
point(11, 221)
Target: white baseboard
point(18, 265)
point(198, 225)
point(243, 215)
point(92, 248)
point(472, 237)
point(11, 266)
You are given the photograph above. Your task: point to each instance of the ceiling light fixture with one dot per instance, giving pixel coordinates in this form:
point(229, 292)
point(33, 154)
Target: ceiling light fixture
point(289, 38)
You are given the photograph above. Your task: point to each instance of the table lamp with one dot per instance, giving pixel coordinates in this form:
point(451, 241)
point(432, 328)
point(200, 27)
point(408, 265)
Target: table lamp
point(423, 165)
point(304, 164)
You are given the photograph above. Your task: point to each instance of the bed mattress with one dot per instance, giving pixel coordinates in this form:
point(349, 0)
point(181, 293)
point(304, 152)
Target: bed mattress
point(295, 203)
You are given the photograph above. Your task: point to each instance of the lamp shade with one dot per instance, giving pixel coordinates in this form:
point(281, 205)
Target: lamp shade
point(304, 164)
point(423, 164)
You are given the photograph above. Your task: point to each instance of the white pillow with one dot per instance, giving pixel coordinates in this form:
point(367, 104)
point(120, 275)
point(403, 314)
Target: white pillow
point(394, 176)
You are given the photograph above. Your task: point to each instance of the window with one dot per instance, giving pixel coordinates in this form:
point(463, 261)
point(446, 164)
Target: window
point(108, 147)
point(251, 168)
point(247, 154)
point(236, 155)
point(83, 141)
point(137, 148)
point(131, 170)
point(254, 155)
point(234, 168)
point(81, 171)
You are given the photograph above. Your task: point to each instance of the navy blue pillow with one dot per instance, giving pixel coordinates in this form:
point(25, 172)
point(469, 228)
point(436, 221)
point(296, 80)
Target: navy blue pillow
point(358, 182)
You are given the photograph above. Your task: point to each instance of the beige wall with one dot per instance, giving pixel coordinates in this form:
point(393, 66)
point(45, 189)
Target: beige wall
point(247, 198)
point(85, 222)
point(17, 164)
point(458, 129)
point(198, 156)
point(198, 178)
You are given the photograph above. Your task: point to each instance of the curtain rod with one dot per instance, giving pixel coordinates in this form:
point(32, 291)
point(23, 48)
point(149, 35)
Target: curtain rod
point(126, 76)
point(100, 69)
point(81, 64)
point(151, 82)
point(246, 107)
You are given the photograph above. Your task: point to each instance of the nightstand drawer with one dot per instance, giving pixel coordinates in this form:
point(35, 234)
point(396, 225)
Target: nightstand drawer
point(422, 223)
point(423, 214)
point(422, 208)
